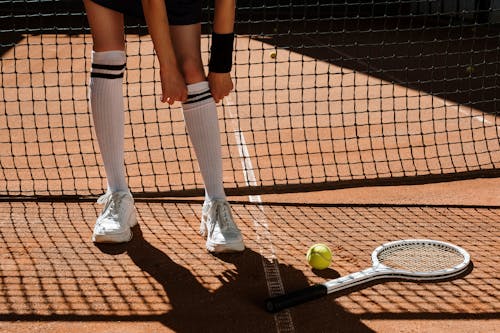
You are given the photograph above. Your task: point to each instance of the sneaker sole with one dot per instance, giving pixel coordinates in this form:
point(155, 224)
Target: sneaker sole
point(121, 237)
point(225, 248)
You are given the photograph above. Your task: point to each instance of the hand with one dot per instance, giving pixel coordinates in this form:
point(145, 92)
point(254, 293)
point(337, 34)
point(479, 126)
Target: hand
point(173, 86)
point(221, 85)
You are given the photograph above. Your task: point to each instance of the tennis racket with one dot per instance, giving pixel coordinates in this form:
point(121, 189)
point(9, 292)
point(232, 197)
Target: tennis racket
point(410, 259)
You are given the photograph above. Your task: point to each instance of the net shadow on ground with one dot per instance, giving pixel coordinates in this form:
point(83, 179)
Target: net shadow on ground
point(354, 231)
point(50, 271)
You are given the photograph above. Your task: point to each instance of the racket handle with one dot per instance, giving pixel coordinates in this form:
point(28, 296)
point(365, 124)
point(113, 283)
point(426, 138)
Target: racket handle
point(278, 303)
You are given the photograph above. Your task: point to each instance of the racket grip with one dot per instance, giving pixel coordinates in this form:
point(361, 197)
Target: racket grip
point(278, 303)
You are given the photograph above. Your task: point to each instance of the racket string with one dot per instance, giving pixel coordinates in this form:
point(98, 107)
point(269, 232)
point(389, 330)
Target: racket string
point(424, 258)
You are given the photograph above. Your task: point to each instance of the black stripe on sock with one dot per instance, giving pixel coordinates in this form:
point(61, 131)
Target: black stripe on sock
point(106, 76)
point(198, 97)
point(109, 67)
point(198, 94)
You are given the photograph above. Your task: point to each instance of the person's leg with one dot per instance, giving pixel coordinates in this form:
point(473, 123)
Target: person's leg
point(106, 102)
point(106, 89)
point(200, 115)
point(200, 112)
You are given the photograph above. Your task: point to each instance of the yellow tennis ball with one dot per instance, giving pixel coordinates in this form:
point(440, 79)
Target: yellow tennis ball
point(319, 256)
point(273, 54)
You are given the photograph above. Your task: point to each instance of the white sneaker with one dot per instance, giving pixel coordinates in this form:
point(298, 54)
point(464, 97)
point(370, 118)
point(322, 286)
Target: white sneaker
point(218, 226)
point(116, 219)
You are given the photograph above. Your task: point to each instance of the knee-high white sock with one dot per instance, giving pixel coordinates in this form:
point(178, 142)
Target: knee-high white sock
point(106, 100)
point(200, 115)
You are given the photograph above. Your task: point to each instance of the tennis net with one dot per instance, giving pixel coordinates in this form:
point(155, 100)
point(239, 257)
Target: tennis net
point(328, 94)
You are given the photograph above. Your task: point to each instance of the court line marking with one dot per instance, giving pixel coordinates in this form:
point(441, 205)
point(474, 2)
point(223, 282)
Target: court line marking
point(283, 319)
point(447, 103)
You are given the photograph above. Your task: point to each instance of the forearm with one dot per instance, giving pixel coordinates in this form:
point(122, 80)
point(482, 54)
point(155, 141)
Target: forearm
point(155, 13)
point(221, 49)
point(224, 16)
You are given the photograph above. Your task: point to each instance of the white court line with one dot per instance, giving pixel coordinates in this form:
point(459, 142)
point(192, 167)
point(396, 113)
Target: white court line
point(401, 83)
point(481, 119)
point(478, 118)
point(283, 319)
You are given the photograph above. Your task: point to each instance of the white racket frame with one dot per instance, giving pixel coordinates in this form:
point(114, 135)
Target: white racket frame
point(379, 270)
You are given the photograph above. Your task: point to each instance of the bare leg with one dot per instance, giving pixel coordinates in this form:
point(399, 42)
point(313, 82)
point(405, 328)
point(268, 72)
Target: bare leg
point(186, 42)
point(106, 27)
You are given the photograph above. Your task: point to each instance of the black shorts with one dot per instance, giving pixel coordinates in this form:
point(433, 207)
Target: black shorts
point(180, 12)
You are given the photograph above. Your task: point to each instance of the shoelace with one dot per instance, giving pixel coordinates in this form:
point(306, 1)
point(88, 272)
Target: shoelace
point(112, 202)
point(220, 211)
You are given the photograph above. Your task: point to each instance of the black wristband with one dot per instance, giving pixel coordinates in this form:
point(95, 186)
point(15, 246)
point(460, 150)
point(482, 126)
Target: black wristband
point(221, 53)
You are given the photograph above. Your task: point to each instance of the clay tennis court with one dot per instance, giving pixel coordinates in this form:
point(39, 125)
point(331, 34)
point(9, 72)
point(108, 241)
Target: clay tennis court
point(55, 279)
point(328, 126)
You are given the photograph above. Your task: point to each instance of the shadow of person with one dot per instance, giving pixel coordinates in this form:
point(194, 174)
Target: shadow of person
point(238, 305)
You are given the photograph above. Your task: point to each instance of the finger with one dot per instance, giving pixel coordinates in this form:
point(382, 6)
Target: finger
point(180, 97)
point(214, 96)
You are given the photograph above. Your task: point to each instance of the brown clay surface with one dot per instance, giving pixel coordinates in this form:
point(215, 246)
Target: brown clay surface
point(300, 119)
point(53, 279)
